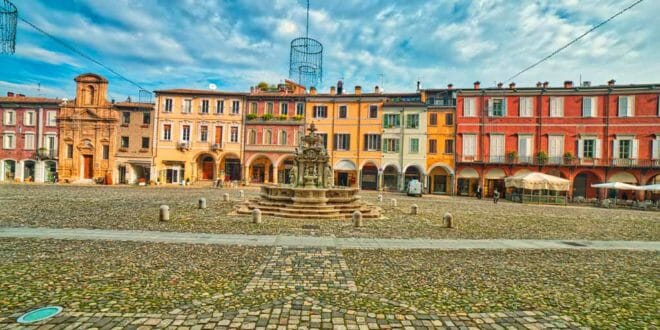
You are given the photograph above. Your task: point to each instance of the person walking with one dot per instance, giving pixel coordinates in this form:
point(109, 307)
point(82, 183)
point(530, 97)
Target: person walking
point(479, 192)
point(496, 196)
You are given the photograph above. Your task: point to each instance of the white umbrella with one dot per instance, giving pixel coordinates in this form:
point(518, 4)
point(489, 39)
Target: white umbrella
point(616, 185)
point(652, 187)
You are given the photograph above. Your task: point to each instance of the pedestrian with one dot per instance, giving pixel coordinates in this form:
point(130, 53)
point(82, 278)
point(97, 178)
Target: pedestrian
point(55, 179)
point(496, 196)
point(479, 192)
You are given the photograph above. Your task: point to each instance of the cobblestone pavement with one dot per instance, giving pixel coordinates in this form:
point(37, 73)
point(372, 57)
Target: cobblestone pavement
point(305, 271)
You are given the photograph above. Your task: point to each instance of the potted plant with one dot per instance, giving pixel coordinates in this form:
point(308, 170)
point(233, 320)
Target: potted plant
point(511, 156)
point(568, 158)
point(282, 117)
point(267, 116)
point(298, 118)
point(541, 157)
point(251, 116)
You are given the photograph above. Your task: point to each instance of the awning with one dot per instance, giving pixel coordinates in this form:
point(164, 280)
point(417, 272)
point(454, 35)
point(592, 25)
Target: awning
point(623, 177)
point(495, 174)
point(468, 173)
point(537, 181)
point(345, 165)
point(616, 185)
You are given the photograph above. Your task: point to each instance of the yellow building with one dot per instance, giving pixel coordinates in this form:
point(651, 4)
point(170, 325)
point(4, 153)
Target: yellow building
point(351, 124)
point(197, 136)
point(440, 129)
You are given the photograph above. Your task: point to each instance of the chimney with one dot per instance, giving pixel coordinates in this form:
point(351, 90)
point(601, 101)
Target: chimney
point(358, 90)
point(512, 85)
point(333, 90)
point(419, 85)
point(611, 82)
point(10, 94)
point(477, 84)
point(450, 86)
point(546, 84)
point(568, 84)
point(377, 89)
point(20, 95)
point(539, 84)
point(499, 85)
point(340, 87)
point(312, 90)
point(586, 84)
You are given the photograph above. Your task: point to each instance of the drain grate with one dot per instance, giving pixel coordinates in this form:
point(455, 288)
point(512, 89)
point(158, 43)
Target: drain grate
point(311, 227)
point(575, 244)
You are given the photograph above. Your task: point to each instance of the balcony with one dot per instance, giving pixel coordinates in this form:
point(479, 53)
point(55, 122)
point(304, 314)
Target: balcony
point(217, 146)
point(44, 153)
point(183, 145)
point(559, 161)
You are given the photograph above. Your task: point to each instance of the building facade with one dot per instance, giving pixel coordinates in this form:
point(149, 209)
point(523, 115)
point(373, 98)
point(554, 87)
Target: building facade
point(198, 136)
point(87, 133)
point(29, 150)
point(441, 135)
point(274, 123)
point(134, 155)
point(586, 134)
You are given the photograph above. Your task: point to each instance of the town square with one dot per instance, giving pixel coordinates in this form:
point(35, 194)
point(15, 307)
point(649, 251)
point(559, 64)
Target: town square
point(391, 179)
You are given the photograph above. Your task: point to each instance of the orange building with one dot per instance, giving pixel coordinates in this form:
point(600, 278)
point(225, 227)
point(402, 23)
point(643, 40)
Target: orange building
point(441, 109)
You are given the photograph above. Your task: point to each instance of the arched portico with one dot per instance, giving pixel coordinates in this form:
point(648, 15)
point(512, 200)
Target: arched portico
point(391, 177)
point(260, 169)
point(345, 173)
point(441, 179)
point(369, 176)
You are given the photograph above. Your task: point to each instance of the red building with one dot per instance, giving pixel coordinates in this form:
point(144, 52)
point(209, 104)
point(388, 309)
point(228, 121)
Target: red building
point(274, 122)
point(29, 138)
point(586, 134)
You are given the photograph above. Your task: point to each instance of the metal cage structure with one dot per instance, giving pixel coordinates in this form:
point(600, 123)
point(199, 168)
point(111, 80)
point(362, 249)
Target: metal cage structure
point(306, 62)
point(8, 19)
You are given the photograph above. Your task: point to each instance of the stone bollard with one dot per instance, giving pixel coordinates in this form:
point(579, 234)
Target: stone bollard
point(393, 202)
point(225, 197)
point(202, 203)
point(414, 209)
point(241, 194)
point(256, 216)
point(164, 213)
point(357, 219)
point(380, 198)
point(448, 220)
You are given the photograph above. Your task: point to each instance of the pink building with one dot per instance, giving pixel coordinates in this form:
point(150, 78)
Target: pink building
point(275, 119)
point(29, 138)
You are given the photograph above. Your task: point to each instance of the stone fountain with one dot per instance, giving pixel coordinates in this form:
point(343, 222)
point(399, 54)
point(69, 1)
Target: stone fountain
point(311, 194)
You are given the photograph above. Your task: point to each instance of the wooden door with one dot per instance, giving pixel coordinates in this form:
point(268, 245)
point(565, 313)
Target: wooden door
point(207, 170)
point(218, 135)
point(88, 167)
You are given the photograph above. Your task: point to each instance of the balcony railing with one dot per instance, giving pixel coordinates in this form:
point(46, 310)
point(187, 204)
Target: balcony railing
point(44, 153)
point(560, 161)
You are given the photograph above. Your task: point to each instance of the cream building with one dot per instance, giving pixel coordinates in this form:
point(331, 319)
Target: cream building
point(197, 136)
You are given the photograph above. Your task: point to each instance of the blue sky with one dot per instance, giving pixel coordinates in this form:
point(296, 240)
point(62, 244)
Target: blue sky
point(237, 43)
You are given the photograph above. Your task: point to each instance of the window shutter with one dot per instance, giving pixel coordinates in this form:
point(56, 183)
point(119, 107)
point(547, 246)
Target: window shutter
point(504, 107)
point(594, 106)
point(560, 106)
point(622, 106)
point(366, 142)
point(580, 151)
point(490, 107)
point(334, 139)
point(586, 104)
point(597, 153)
point(348, 142)
point(466, 107)
point(655, 152)
point(635, 149)
point(615, 149)
point(631, 106)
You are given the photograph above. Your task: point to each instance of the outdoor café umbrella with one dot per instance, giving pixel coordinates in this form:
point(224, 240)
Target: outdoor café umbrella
point(616, 185)
point(651, 187)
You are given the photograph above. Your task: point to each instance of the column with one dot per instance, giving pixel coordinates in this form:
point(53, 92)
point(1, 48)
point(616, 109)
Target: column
point(39, 171)
point(18, 173)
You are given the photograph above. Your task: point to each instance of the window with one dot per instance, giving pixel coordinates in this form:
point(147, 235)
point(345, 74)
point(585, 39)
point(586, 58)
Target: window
point(526, 107)
point(497, 107)
point(253, 108)
point(655, 148)
point(187, 106)
point(449, 119)
point(469, 108)
point(300, 109)
point(29, 142)
point(556, 107)
point(204, 133)
point(146, 118)
point(233, 134)
point(525, 148)
point(414, 145)
point(105, 151)
point(412, 121)
point(283, 138)
point(343, 111)
point(205, 107)
point(125, 118)
point(268, 137)
point(28, 118)
point(449, 146)
point(269, 108)
point(433, 146)
point(10, 117)
point(145, 142)
point(496, 148)
point(51, 118)
point(391, 120)
point(469, 146)
point(185, 133)
point(69, 151)
point(342, 141)
point(433, 119)
point(625, 149)
point(320, 111)
point(555, 149)
point(235, 107)
point(168, 105)
point(218, 135)
point(324, 138)
point(373, 111)
point(588, 149)
point(589, 106)
point(124, 141)
point(220, 106)
point(626, 106)
point(371, 142)
point(167, 132)
point(390, 145)
point(252, 137)
point(50, 142)
point(284, 109)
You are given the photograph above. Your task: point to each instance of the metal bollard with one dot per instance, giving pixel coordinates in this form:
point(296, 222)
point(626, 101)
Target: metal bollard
point(164, 213)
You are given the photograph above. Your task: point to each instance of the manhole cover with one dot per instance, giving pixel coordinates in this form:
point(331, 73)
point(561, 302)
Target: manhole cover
point(311, 227)
point(39, 314)
point(575, 244)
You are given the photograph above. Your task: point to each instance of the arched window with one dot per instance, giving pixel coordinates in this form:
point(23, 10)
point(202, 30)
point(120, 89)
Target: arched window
point(268, 137)
point(252, 137)
point(89, 94)
point(283, 137)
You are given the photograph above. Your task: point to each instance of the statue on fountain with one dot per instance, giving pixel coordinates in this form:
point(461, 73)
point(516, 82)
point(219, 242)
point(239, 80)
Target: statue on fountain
point(312, 161)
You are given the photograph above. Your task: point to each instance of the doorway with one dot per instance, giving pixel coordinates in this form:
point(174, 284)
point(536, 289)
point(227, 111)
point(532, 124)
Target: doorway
point(88, 169)
point(342, 179)
point(207, 168)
